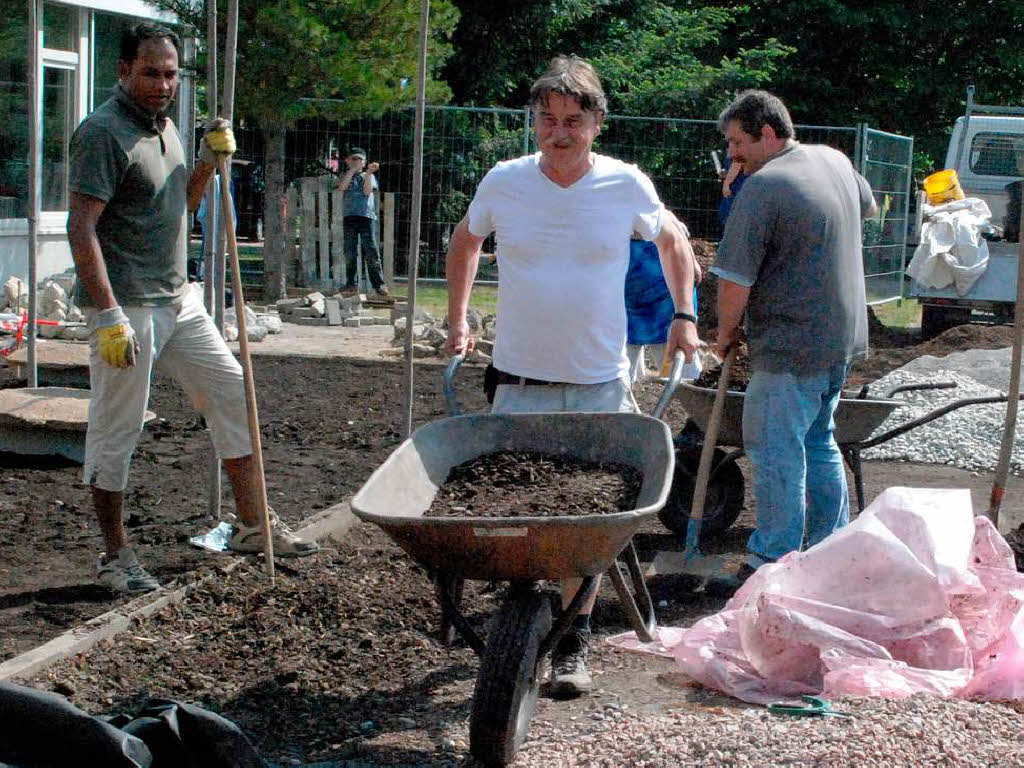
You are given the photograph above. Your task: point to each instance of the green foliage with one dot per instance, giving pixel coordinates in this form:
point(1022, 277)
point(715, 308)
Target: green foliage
point(664, 58)
point(337, 58)
point(901, 65)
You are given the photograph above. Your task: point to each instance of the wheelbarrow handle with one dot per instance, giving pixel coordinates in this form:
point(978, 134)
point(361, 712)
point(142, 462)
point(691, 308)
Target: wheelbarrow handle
point(918, 387)
point(671, 384)
point(454, 408)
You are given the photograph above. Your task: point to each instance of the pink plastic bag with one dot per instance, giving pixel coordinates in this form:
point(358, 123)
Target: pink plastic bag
point(915, 596)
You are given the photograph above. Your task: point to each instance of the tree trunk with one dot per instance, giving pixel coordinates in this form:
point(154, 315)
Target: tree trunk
point(275, 244)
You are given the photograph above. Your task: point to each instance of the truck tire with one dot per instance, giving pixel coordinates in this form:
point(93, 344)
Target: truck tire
point(936, 319)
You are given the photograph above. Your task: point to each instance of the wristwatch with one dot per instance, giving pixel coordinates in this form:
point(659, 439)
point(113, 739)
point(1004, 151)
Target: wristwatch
point(685, 316)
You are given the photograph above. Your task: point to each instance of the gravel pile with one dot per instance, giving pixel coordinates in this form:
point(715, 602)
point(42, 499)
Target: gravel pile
point(967, 438)
point(913, 732)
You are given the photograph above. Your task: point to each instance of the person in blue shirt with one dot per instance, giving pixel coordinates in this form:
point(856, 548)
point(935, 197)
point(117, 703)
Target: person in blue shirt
point(733, 176)
point(649, 305)
point(359, 185)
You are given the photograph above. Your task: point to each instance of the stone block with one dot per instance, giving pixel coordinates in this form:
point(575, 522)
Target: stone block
point(310, 321)
point(351, 322)
point(332, 310)
point(299, 313)
point(283, 305)
point(486, 346)
point(423, 350)
point(319, 307)
point(381, 321)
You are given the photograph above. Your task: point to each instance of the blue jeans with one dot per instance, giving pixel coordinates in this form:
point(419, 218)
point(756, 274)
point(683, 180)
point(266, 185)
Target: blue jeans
point(799, 479)
point(361, 231)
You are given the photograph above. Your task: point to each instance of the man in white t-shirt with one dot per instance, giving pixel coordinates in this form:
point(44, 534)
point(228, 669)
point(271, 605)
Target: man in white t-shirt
point(563, 218)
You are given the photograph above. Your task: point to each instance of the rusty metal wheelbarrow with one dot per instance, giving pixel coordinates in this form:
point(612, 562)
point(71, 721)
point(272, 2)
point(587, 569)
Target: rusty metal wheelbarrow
point(857, 417)
point(525, 551)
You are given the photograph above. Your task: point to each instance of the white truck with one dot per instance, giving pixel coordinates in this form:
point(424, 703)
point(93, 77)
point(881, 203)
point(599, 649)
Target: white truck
point(987, 152)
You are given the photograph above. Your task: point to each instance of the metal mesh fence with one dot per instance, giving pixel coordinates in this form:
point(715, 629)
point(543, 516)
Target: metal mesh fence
point(462, 143)
point(886, 162)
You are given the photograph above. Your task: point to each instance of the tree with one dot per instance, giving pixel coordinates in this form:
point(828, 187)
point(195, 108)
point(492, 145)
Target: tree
point(339, 59)
point(901, 65)
point(667, 58)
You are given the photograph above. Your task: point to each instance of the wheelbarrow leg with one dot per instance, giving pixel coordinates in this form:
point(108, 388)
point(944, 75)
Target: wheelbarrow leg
point(852, 455)
point(639, 609)
point(448, 589)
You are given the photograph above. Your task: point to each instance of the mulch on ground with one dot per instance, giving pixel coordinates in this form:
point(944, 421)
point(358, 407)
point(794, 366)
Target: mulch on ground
point(326, 424)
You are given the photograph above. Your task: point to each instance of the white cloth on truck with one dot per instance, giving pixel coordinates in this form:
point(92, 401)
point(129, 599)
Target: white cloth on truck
point(952, 250)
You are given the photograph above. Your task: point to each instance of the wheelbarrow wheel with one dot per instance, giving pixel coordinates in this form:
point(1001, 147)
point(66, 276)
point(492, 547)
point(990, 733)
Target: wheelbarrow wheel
point(508, 681)
point(724, 500)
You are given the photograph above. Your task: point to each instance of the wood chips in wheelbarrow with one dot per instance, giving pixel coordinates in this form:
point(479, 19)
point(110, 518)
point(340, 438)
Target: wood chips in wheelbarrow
point(529, 484)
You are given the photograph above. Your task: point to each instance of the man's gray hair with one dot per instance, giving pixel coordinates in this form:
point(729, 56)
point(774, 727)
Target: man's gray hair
point(756, 109)
point(573, 77)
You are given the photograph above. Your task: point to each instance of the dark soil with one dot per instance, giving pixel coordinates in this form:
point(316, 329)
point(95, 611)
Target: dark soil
point(326, 424)
point(524, 484)
point(707, 291)
point(340, 661)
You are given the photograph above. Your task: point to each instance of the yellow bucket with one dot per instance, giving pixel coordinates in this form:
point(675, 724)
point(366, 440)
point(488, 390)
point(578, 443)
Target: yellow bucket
point(942, 187)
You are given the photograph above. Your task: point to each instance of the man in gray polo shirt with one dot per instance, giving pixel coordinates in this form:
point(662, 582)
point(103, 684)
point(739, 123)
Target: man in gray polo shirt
point(128, 234)
point(791, 259)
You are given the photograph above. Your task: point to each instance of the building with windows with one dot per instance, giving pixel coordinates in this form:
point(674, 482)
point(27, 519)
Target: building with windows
point(76, 68)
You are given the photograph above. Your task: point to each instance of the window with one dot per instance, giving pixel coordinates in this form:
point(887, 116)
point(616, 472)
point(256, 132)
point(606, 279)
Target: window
point(13, 102)
point(59, 27)
point(106, 50)
point(58, 124)
point(997, 154)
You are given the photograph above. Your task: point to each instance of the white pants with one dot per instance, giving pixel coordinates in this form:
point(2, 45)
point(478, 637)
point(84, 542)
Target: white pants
point(182, 342)
point(638, 364)
point(609, 397)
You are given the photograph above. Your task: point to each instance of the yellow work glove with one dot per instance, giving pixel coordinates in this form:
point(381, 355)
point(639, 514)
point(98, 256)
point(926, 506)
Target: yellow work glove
point(218, 139)
point(115, 338)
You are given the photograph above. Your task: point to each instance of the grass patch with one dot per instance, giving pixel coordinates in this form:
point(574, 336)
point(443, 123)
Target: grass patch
point(899, 315)
point(433, 298)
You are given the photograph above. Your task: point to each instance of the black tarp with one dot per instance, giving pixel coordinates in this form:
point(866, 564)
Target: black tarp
point(39, 729)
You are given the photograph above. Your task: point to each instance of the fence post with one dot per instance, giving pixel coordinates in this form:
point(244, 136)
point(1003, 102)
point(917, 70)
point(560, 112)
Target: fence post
point(323, 230)
point(906, 213)
point(337, 235)
point(862, 149)
point(308, 246)
point(388, 237)
point(290, 222)
point(526, 130)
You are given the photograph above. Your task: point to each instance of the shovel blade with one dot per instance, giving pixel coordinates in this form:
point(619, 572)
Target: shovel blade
point(691, 562)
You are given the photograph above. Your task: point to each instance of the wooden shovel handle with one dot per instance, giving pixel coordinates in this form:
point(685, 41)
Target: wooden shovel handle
point(710, 437)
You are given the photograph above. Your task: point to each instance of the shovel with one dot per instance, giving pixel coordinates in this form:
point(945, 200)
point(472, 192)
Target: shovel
point(693, 562)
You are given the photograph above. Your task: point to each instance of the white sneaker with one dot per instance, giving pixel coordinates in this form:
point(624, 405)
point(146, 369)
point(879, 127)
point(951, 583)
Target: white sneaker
point(286, 544)
point(123, 573)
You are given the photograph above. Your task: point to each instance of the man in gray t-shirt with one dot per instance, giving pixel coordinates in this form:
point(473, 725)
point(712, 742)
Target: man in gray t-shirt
point(128, 231)
point(791, 260)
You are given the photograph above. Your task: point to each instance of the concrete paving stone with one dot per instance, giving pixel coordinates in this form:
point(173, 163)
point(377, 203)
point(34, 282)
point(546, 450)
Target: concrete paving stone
point(332, 311)
point(300, 312)
point(351, 322)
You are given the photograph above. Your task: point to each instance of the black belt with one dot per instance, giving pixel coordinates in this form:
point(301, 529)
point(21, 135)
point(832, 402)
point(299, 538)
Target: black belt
point(510, 378)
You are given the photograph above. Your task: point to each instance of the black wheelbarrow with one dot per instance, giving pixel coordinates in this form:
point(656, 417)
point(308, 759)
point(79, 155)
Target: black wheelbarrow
point(857, 417)
point(525, 551)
